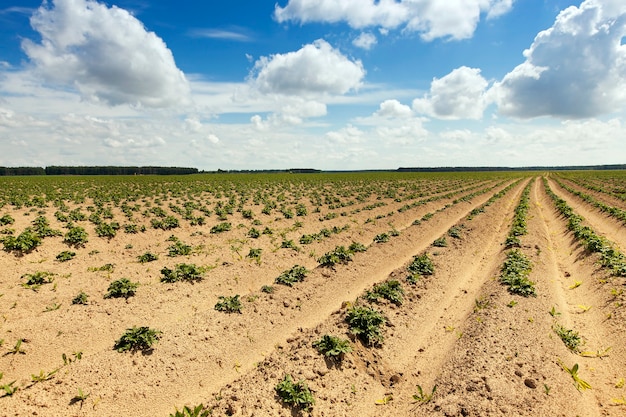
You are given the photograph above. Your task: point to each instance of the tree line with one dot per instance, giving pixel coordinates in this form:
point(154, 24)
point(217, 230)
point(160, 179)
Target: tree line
point(96, 170)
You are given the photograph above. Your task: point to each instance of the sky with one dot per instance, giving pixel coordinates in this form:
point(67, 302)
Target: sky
point(325, 84)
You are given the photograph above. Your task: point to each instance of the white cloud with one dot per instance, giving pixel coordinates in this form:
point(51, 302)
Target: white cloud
point(456, 19)
point(393, 109)
point(236, 34)
point(315, 69)
point(575, 69)
point(105, 53)
point(213, 139)
point(365, 40)
point(345, 135)
point(459, 95)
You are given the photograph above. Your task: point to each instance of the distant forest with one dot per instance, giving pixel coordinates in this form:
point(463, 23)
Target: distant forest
point(154, 170)
point(96, 170)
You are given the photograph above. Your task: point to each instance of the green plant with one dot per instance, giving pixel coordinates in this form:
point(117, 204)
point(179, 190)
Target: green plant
point(255, 253)
point(8, 389)
point(165, 223)
point(121, 288)
point(254, 233)
point(197, 411)
point(366, 322)
point(103, 268)
point(422, 397)
point(389, 290)
point(229, 304)
point(573, 371)
point(514, 273)
point(332, 346)
point(182, 272)
point(268, 289)
point(65, 256)
point(43, 376)
point(381, 238)
point(17, 349)
point(52, 307)
point(421, 265)
point(6, 220)
point(178, 248)
point(296, 395)
point(147, 257)
point(357, 247)
point(340, 255)
point(80, 398)
point(455, 232)
point(440, 242)
point(222, 227)
point(571, 339)
point(137, 339)
point(107, 230)
point(297, 273)
point(553, 312)
point(76, 236)
point(37, 279)
point(26, 242)
point(81, 299)
point(289, 244)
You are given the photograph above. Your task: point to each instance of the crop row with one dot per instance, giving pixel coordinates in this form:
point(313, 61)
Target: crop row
point(615, 212)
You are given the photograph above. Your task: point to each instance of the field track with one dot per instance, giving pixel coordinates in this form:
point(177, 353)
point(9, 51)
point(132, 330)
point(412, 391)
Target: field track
point(487, 351)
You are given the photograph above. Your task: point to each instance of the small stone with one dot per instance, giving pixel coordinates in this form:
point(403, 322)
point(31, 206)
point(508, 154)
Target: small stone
point(530, 383)
point(395, 379)
point(518, 373)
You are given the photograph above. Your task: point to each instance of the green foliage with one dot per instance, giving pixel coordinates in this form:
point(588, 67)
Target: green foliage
point(297, 273)
point(222, 227)
point(165, 223)
point(440, 242)
point(268, 289)
point(455, 232)
point(147, 257)
point(229, 304)
point(65, 256)
point(122, 288)
point(8, 389)
point(332, 346)
point(197, 411)
point(107, 230)
point(381, 238)
point(103, 268)
point(182, 272)
point(36, 279)
point(422, 396)
point(571, 339)
point(340, 255)
point(366, 322)
point(254, 233)
point(137, 339)
point(296, 395)
point(178, 248)
point(514, 273)
point(421, 265)
point(6, 220)
point(76, 236)
point(80, 299)
point(390, 290)
point(356, 247)
point(255, 253)
point(289, 244)
point(25, 242)
point(41, 226)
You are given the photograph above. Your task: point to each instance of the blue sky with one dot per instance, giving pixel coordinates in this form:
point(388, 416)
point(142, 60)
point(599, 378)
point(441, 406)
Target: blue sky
point(328, 84)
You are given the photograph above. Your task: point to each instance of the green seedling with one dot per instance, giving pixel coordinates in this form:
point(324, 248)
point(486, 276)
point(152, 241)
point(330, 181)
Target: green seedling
point(297, 273)
point(122, 288)
point(230, 304)
point(17, 349)
point(296, 395)
point(197, 411)
point(570, 338)
point(512, 304)
point(332, 347)
point(422, 396)
point(80, 397)
point(137, 339)
point(366, 323)
point(389, 290)
point(553, 312)
point(385, 400)
point(573, 371)
point(147, 257)
point(52, 307)
point(80, 299)
point(43, 376)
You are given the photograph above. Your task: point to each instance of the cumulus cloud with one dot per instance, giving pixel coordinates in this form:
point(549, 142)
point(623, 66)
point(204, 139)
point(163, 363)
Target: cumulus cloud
point(105, 53)
point(213, 139)
point(315, 69)
point(346, 135)
point(462, 94)
point(455, 19)
point(393, 109)
point(365, 41)
point(575, 69)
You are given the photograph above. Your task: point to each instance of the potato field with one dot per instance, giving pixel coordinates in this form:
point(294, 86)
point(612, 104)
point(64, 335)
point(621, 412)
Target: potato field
point(363, 294)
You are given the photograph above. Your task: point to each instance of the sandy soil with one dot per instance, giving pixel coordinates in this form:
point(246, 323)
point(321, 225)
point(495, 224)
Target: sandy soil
point(487, 351)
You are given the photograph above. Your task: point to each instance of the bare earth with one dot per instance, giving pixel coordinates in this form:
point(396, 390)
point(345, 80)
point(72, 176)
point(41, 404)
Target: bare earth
point(488, 352)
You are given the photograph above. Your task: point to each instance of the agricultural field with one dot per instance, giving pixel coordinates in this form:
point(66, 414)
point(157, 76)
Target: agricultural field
point(366, 294)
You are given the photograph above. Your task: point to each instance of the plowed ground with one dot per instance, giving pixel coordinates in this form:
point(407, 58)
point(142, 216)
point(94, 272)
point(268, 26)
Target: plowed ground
point(488, 352)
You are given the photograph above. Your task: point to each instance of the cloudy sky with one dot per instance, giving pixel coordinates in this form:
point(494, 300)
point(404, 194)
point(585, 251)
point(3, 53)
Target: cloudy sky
point(327, 84)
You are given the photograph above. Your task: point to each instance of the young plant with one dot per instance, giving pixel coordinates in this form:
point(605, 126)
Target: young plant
point(366, 323)
point(26, 242)
point(222, 227)
point(332, 347)
point(76, 236)
point(80, 398)
point(570, 338)
point(137, 339)
point(122, 288)
point(296, 395)
point(65, 256)
point(255, 253)
point(147, 257)
point(43, 376)
point(182, 272)
point(37, 279)
point(440, 242)
point(390, 290)
point(17, 349)
point(357, 247)
point(340, 255)
point(8, 389)
point(573, 371)
point(422, 396)
point(229, 304)
point(514, 273)
point(197, 411)
point(297, 273)
point(80, 299)
point(268, 289)
point(420, 266)
point(381, 238)
point(178, 248)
